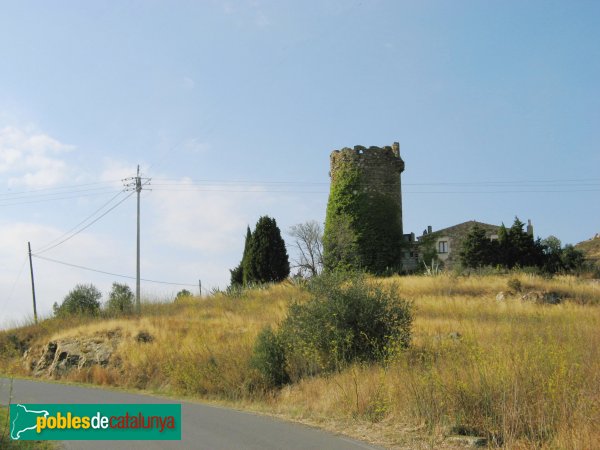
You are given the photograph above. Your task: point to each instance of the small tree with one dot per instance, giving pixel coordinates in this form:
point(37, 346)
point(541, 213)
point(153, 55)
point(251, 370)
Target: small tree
point(267, 258)
point(120, 299)
point(428, 255)
point(84, 299)
point(237, 273)
point(184, 293)
point(552, 248)
point(476, 249)
point(572, 258)
point(308, 240)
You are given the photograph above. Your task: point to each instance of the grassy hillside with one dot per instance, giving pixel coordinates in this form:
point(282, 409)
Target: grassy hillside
point(591, 249)
point(522, 374)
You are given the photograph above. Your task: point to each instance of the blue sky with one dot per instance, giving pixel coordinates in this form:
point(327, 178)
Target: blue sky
point(232, 108)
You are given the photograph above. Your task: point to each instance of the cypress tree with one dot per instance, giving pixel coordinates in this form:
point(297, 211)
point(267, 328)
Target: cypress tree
point(266, 259)
point(237, 274)
point(476, 249)
point(504, 254)
point(525, 251)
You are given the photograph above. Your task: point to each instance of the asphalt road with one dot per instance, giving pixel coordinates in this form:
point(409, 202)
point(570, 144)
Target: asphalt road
point(203, 426)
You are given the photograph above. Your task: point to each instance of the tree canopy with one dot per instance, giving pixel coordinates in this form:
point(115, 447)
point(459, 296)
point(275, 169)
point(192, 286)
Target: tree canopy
point(516, 248)
point(120, 299)
point(84, 299)
point(265, 257)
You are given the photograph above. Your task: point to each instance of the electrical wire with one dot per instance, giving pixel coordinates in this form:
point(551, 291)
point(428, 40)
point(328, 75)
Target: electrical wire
point(48, 245)
point(176, 182)
point(77, 266)
point(54, 194)
point(58, 188)
point(12, 290)
point(9, 202)
point(290, 191)
point(84, 228)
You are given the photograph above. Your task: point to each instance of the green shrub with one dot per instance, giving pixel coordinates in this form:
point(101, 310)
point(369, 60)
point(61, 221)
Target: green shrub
point(268, 358)
point(120, 299)
point(84, 299)
point(183, 295)
point(348, 319)
point(514, 285)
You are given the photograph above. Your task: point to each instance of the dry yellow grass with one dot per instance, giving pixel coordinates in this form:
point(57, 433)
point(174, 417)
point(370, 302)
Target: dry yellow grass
point(522, 374)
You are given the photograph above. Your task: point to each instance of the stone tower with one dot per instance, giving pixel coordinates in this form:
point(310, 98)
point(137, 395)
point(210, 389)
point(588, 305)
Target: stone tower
point(365, 208)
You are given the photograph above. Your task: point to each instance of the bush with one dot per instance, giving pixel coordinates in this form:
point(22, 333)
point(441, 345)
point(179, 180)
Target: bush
point(514, 285)
point(182, 295)
point(347, 320)
point(84, 299)
point(120, 299)
point(269, 358)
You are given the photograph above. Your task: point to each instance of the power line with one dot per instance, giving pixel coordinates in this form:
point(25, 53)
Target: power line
point(296, 187)
point(12, 290)
point(77, 266)
point(48, 246)
point(53, 194)
point(43, 195)
point(290, 191)
point(554, 191)
point(176, 182)
point(58, 188)
point(40, 199)
point(84, 228)
point(253, 191)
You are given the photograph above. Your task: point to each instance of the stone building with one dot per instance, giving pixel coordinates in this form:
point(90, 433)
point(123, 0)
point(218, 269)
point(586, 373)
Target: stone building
point(363, 226)
point(380, 168)
point(448, 242)
point(361, 179)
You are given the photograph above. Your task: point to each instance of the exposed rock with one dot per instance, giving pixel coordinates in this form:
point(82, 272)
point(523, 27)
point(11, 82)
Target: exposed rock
point(455, 335)
point(532, 296)
point(500, 297)
point(144, 337)
point(467, 441)
point(550, 298)
point(58, 358)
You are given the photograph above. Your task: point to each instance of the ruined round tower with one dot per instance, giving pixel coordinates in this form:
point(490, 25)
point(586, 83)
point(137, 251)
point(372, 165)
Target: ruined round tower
point(363, 226)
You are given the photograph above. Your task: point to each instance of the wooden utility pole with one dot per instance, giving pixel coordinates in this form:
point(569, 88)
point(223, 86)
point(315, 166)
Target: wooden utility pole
point(32, 283)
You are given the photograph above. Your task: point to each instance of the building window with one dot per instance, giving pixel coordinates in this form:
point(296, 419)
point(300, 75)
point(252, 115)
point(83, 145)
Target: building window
point(443, 247)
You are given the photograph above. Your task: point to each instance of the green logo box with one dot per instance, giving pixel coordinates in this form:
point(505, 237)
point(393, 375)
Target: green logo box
point(62, 422)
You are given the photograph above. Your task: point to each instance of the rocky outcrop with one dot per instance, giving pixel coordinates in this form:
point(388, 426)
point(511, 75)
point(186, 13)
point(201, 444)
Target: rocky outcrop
point(545, 297)
point(61, 356)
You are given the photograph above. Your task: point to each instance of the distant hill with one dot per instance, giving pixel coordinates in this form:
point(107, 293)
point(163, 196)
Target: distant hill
point(591, 249)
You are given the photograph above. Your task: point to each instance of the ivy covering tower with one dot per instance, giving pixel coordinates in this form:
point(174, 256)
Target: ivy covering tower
point(363, 225)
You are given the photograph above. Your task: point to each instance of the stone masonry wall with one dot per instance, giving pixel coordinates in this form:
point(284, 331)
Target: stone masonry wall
point(380, 169)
